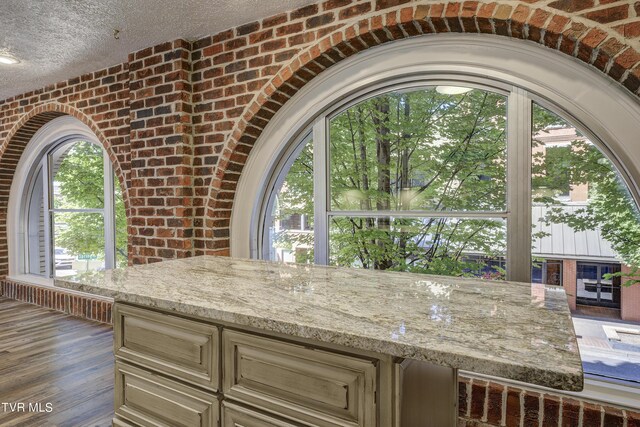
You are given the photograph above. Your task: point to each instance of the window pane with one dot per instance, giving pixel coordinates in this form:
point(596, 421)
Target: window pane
point(448, 246)
point(546, 271)
point(78, 176)
point(420, 150)
point(79, 242)
point(290, 233)
point(121, 254)
point(585, 218)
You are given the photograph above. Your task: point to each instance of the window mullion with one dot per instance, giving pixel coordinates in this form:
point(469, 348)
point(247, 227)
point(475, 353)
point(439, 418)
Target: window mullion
point(108, 214)
point(320, 191)
point(47, 191)
point(519, 187)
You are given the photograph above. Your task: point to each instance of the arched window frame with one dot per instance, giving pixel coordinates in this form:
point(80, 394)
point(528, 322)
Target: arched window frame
point(61, 131)
point(602, 110)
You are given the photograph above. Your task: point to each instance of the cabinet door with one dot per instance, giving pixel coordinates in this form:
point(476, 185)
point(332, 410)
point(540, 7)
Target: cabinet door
point(147, 399)
point(181, 348)
point(238, 416)
point(315, 386)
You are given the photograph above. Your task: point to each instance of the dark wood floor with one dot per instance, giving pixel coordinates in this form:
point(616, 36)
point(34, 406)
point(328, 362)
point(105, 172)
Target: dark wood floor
point(49, 357)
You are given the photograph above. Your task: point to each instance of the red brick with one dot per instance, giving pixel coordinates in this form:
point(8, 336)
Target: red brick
point(467, 16)
point(594, 37)
point(633, 419)
point(591, 415)
point(247, 28)
point(613, 417)
point(607, 50)
point(478, 395)
point(486, 10)
point(531, 413)
point(501, 19)
point(274, 20)
point(572, 5)
point(462, 397)
point(570, 412)
point(332, 4)
point(629, 30)
point(514, 414)
point(319, 20)
point(570, 36)
point(554, 29)
point(304, 12)
point(385, 4)
point(494, 403)
point(611, 14)
point(623, 62)
point(355, 10)
point(536, 23)
point(551, 410)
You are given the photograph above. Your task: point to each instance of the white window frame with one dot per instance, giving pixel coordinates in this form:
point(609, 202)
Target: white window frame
point(576, 92)
point(60, 131)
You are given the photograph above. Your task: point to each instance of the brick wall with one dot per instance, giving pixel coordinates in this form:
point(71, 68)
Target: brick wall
point(484, 404)
point(100, 100)
point(179, 121)
point(569, 276)
point(630, 296)
point(161, 153)
point(86, 307)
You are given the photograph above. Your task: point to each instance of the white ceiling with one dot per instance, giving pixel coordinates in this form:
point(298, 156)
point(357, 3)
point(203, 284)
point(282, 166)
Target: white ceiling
point(60, 39)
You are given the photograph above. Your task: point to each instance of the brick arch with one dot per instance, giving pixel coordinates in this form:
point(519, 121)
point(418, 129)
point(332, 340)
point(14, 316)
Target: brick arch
point(14, 145)
point(584, 39)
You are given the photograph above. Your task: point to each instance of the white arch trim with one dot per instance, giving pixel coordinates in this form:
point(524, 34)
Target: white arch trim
point(65, 127)
point(596, 102)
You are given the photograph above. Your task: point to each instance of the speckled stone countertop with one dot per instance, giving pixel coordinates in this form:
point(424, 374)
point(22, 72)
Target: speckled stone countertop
point(512, 330)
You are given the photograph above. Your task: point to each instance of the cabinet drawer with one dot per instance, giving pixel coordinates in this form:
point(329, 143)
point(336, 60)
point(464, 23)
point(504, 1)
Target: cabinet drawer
point(314, 386)
point(147, 399)
point(177, 347)
point(238, 416)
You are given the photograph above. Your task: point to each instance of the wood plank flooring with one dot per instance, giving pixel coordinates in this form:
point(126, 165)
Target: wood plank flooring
point(50, 357)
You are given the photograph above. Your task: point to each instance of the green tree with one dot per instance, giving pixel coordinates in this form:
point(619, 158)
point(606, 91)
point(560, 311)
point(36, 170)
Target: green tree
point(609, 208)
point(419, 150)
point(79, 178)
point(424, 150)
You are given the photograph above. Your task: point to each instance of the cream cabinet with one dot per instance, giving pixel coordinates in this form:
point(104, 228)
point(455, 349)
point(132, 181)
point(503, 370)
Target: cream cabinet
point(177, 371)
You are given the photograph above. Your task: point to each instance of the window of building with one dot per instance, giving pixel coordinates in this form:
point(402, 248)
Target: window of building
point(416, 181)
point(70, 214)
point(547, 271)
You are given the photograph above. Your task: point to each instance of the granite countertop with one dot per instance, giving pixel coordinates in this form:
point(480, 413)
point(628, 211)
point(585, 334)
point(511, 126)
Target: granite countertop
point(506, 329)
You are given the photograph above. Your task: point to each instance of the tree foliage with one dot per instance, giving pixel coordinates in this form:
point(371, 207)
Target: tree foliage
point(410, 151)
point(422, 150)
point(79, 179)
point(609, 208)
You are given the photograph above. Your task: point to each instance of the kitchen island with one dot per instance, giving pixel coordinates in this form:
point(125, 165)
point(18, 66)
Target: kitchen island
point(255, 343)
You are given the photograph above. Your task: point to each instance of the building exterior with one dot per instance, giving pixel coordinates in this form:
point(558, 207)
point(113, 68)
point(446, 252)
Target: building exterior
point(577, 260)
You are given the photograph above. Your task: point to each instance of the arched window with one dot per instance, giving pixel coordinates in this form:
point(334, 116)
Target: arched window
point(444, 178)
point(69, 211)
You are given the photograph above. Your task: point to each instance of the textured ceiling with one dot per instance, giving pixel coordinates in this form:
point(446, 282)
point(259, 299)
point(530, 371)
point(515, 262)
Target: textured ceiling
point(60, 39)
